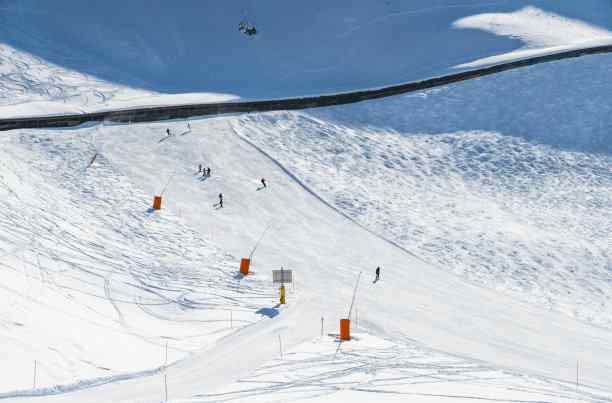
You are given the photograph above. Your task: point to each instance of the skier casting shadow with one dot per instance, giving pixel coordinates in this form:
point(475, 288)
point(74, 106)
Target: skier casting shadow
point(188, 130)
point(220, 204)
point(263, 184)
point(168, 135)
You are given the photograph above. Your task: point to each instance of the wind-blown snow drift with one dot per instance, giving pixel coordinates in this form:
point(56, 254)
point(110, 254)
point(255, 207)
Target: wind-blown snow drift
point(542, 32)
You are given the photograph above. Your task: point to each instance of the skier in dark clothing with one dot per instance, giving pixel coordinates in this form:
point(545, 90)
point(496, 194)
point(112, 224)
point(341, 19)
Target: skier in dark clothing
point(220, 200)
point(208, 171)
point(199, 168)
point(377, 274)
point(263, 182)
point(168, 132)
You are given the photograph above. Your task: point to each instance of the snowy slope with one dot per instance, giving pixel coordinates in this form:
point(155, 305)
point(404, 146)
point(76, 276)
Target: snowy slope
point(89, 274)
point(487, 204)
point(69, 55)
point(385, 370)
point(503, 187)
point(416, 302)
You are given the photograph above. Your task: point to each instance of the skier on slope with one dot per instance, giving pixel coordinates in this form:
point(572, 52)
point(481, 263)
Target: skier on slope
point(377, 274)
point(220, 200)
point(168, 132)
point(263, 182)
point(208, 171)
point(199, 168)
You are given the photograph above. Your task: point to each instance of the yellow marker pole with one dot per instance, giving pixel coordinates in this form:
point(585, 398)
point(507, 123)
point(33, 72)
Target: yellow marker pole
point(282, 294)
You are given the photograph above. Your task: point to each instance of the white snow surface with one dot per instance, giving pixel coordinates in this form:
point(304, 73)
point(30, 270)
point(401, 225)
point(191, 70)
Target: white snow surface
point(535, 27)
point(153, 277)
point(495, 248)
point(32, 86)
point(89, 274)
point(511, 199)
point(542, 33)
point(487, 204)
point(374, 369)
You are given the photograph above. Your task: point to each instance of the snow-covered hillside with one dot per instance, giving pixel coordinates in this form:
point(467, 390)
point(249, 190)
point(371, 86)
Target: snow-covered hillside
point(505, 180)
point(89, 273)
point(486, 203)
point(71, 55)
point(416, 307)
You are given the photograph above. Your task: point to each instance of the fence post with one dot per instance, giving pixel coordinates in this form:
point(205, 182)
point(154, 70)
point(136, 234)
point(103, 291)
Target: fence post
point(280, 346)
point(166, 361)
point(34, 375)
point(166, 386)
point(577, 366)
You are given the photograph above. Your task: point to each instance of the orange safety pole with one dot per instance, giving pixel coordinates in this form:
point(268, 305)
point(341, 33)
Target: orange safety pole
point(157, 202)
point(345, 329)
point(244, 266)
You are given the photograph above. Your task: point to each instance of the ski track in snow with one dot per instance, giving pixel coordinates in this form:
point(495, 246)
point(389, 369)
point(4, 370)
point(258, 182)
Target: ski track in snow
point(371, 366)
point(86, 262)
point(31, 86)
point(95, 242)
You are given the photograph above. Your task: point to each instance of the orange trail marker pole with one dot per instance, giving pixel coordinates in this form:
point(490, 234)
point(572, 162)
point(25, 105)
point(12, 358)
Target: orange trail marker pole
point(157, 203)
point(345, 324)
point(345, 329)
point(245, 263)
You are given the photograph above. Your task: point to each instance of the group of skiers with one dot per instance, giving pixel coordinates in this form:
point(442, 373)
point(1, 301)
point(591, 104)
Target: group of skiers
point(206, 174)
point(204, 171)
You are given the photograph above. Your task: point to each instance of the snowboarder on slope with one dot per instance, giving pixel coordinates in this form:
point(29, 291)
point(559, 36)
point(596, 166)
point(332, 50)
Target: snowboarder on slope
point(263, 182)
point(220, 200)
point(377, 274)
